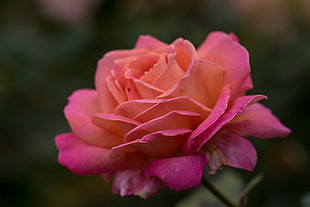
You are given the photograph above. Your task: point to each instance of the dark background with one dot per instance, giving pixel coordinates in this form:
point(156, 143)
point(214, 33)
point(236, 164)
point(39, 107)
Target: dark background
point(50, 48)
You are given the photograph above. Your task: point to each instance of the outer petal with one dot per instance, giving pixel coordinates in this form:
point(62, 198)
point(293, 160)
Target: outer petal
point(149, 42)
point(221, 105)
point(225, 51)
point(257, 121)
point(79, 111)
point(133, 182)
point(162, 143)
point(85, 159)
point(230, 149)
point(172, 120)
point(178, 173)
point(237, 106)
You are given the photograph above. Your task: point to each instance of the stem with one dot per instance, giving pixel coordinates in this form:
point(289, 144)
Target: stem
point(217, 193)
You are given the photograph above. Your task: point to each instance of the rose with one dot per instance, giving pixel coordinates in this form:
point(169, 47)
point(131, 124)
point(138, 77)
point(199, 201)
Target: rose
point(160, 113)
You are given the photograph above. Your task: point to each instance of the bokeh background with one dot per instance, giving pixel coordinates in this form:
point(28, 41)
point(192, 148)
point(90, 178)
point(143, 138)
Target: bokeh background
point(50, 48)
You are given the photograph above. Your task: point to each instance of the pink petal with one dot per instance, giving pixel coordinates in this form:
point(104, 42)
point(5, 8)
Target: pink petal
point(85, 159)
point(170, 74)
point(236, 107)
point(149, 42)
point(83, 104)
point(132, 108)
point(141, 67)
point(185, 53)
point(162, 143)
point(115, 89)
point(133, 182)
point(114, 123)
point(172, 120)
point(234, 37)
point(154, 70)
point(131, 91)
point(224, 51)
point(105, 65)
point(227, 148)
point(178, 173)
point(175, 104)
point(258, 121)
point(219, 108)
point(146, 90)
point(202, 83)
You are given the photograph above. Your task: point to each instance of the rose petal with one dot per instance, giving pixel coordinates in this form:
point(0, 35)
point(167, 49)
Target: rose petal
point(169, 75)
point(162, 143)
point(131, 109)
point(106, 101)
point(219, 108)
point(133, 182)
point(178, 173)
point(155, 70)
point(258, 121)
point(236, 107)
point(227, 148)
point(79, 111)
point(202, 83)
point(114, 123)
point(142, 65)
point(146, 90)
point(149, 42)
point(115, 89)
point(165, 106)
point(85, 159)
point(224, 51)
point(172, 120)
point(185, 53)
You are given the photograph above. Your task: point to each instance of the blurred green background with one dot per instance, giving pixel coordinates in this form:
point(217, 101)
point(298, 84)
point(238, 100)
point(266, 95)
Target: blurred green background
point(48, 48)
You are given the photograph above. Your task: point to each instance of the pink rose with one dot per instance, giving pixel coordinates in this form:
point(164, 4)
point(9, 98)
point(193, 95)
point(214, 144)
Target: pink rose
point(161, 113)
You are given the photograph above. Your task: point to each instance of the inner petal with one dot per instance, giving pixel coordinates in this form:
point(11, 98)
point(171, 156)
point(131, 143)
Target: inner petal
point(114, 123)
point(166, 106)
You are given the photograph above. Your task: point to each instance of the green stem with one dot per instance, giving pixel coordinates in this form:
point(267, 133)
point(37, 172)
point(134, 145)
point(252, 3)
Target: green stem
point(217, 193)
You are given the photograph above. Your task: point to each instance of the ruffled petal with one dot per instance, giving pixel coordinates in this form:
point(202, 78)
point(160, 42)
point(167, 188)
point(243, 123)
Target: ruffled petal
point(83, 104)
point(172, 120)
point(85, 159)
point(236, 107)
point(191, 145)
point(227, 148)
point(223, 50)
point(178, 173)
point(133, 182)
point(258, 121)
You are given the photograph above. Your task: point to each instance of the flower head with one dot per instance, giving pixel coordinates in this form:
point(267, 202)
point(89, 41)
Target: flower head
point(161, 113)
